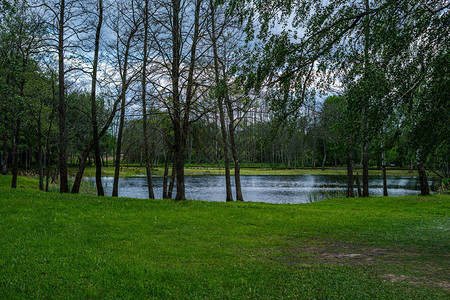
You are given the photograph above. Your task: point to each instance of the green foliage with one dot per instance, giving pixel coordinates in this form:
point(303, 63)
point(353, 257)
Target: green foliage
point(386, 57)
point(444, 189)
point(392, 156)
point(389, 62)
point(4, 6)
point(431, 128)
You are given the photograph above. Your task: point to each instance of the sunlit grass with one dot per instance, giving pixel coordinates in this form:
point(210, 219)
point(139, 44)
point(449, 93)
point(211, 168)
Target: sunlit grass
point(76, 246)
point(27, 183)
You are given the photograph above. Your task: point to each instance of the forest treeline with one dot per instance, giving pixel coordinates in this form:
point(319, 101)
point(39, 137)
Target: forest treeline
point(291, 84)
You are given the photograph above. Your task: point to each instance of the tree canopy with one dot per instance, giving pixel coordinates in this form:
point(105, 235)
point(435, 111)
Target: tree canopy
point(291, 83)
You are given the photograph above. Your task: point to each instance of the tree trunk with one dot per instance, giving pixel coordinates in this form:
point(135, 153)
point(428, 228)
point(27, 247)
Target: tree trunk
point(229, 196)
point(231, 130)
point(190, 152)
point(365, 166)
point(47, 178)
point(365, 158)
point(113, 156)
point(40, 155)
point(313, 160)
point(55, 174)
point(237, 166)
point(303, 147)
point(172, 182)
point(166, 175)
point(81, 167)
point(219, 96)
point(47, 142)
point(383, 166)
point(181, 125)
point(63, 181)
point(97, 158)
point(350, 191)
point(358, 185)
point(4, 166)
point(47, 160)
point(115, 191)
point(144, 106)
point(324, 154)
point(424, 189)
point(178, 134)
point(179, 160)
point(447, 169)
point(15, 154)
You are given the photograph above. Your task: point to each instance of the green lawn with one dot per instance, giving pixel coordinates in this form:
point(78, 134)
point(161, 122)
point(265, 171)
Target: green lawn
point(27, 183)
point(77, 246)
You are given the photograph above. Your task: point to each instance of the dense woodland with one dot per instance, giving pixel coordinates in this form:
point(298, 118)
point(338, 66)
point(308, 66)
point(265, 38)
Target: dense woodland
point(291, 84)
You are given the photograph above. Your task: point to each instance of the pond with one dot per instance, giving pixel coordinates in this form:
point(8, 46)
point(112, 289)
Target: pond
point(267, 188)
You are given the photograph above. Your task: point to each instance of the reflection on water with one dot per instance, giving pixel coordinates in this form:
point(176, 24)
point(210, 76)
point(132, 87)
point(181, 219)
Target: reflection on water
point(271, 189)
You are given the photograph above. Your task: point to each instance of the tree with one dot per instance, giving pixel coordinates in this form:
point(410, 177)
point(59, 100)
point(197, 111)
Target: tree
point(122, 44)
point(177, 83)
point(95, 138)
point(62, 26)
point(20, 42)
point(125, 37)
point(225, 39)
point(430, 130)
point(416, 39)
point(219, 95)
point(342, 125)
point(39, 105)
point(65, 22)
point(351, 40)
point(144, 103)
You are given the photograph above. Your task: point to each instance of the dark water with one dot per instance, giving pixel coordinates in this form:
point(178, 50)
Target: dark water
point(267, 188)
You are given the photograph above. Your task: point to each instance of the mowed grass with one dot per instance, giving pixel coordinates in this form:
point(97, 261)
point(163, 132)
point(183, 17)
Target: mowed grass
point(22, 182)
point(27, 183)
point(76, 246)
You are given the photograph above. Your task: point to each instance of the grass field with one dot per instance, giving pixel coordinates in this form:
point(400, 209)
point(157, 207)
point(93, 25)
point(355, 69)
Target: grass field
point(27, 183)
point(199, 170)
point(76, 246)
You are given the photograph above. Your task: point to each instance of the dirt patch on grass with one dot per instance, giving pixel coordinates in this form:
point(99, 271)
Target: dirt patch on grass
point(415, 280)
point(393, 265)
point(342, 252)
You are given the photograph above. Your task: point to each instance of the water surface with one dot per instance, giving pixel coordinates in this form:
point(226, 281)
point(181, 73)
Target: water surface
point(267, 188)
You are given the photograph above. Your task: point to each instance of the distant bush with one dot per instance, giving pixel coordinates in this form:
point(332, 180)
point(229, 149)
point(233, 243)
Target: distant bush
point(444, 189)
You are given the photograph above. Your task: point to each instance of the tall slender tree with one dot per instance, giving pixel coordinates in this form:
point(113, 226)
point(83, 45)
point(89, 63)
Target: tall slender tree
point(219, 95)
point(144, 102)
point(62, 23)
point(133, 23)
point(95, 138)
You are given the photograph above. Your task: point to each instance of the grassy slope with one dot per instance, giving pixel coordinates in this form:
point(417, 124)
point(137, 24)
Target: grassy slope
point(27, 183)
point(137, 171)
point(74, 246)
point(22, 182)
